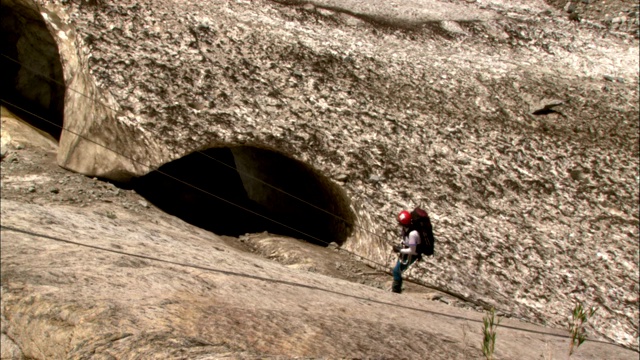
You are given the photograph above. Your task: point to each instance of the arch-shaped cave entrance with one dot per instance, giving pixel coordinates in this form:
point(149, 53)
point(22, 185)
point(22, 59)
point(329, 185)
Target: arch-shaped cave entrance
point(226, 184)
point(31, 69)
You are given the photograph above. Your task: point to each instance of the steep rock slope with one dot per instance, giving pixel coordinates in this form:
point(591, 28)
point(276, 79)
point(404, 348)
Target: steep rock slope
point(93, 271)
point(534, 208)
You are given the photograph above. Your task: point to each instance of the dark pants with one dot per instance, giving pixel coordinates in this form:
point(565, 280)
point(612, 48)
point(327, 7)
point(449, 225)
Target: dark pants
point(402, 265)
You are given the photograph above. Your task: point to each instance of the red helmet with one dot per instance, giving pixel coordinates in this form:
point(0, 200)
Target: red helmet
point(404, 217)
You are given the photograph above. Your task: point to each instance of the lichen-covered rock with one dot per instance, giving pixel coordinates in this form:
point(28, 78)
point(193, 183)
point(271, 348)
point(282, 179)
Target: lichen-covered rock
point(436, 114)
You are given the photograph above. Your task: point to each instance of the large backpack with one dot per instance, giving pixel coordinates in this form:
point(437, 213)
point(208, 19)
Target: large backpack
point(421, 222)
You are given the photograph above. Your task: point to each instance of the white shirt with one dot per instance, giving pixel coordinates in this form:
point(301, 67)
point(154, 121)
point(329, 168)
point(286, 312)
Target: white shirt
point(411, 241)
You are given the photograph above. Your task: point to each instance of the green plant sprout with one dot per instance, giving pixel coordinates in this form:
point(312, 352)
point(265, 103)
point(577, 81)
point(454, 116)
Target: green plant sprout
point(489, 330)
point(579, 319)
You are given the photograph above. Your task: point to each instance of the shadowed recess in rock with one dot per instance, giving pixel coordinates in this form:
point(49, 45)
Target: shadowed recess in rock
point(31, 67)
point(328, 220)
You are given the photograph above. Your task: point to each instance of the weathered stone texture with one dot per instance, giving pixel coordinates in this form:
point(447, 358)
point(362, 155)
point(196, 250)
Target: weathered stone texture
point(532, 212)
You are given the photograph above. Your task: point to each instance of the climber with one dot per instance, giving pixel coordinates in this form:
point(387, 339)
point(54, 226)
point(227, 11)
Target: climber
point(417, 240)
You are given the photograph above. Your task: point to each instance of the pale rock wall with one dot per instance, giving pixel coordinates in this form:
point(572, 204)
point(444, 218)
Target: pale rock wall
point(531, 213)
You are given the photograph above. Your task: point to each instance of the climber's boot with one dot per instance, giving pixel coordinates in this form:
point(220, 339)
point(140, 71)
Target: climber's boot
point(396, 287)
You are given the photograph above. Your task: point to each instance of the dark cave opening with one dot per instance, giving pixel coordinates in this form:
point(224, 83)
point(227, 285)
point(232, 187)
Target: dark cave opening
point(32, 76)
point(228, 200)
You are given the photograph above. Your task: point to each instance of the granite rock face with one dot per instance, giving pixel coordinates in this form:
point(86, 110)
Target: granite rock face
point(532, 212)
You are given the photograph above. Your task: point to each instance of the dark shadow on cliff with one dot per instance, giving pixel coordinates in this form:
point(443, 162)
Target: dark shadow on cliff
point(379, 21)
point(234, 191)
point(31, 67)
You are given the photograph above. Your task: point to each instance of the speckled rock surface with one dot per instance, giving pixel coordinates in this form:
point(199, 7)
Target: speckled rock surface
point(532, 212)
